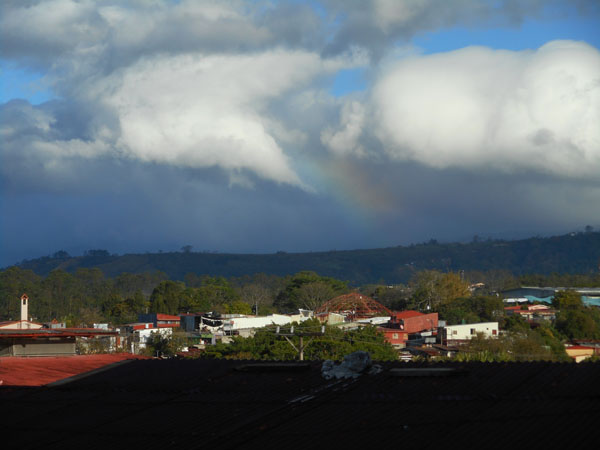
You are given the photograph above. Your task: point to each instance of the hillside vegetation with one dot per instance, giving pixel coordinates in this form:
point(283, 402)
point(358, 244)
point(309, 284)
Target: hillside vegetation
point(572, 253)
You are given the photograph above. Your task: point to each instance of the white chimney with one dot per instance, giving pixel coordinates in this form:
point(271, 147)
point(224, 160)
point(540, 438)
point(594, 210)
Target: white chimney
point(24, 304)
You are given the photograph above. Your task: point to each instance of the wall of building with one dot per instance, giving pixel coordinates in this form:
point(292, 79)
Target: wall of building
point(470, 330)
point(241, 323)
point(39, 347)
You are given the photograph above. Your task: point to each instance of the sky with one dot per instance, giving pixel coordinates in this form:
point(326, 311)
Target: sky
point(263, 126)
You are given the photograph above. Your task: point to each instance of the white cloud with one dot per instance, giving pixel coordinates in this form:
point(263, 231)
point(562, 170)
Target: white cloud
point(202, 111)
point(345, 141)
point(190, 110)
point(484, 108)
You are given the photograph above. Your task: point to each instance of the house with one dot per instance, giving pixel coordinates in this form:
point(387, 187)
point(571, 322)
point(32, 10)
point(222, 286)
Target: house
point(138, 334)
point(581, 352)
point(532, 313)
point(394, 336)
point(413, 321)
point(457, 334)
point(402, 324)
point(160, 320)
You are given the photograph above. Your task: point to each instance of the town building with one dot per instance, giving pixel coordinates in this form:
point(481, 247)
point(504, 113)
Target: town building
point(159, 320)
point(532, 313)
point(27, 338)
point(24, 323)
point(457, 334)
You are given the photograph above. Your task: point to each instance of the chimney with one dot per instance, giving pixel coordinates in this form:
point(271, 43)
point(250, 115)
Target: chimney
point(24, 304)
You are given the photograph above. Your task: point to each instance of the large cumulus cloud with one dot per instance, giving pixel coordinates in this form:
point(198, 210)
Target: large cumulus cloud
point(487, 109)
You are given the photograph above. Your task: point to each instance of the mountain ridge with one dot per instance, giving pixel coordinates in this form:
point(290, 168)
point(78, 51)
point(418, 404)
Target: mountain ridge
point(569, 253)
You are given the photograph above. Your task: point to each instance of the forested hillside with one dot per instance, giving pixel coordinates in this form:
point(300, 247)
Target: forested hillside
point(572, 253)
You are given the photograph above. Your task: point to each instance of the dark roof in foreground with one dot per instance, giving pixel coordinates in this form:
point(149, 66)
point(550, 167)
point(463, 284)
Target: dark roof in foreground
point(214, 404)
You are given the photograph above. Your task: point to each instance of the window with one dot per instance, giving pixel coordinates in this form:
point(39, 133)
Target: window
point(454, 332)
point(472, 330)
point(395, 335)
point(494, 332)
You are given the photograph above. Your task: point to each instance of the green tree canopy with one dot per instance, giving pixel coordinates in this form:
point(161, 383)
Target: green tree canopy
point(334, 344)
point(166, 297)
point(433, 288)
point(567, 300)
point(298, 295)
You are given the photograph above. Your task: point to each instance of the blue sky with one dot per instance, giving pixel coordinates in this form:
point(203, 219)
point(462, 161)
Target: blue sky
point(298, 126)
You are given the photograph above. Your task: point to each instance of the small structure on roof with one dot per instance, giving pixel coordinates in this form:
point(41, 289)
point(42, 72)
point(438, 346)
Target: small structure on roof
point(353, 306)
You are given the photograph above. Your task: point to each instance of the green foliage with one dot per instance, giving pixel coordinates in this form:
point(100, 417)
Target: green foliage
point(160, 345)
point(309, 290)
point(434, 289)
point(14, 282)
point(92, 346)
point(166, 297)
point(569, 254)
point(514, 323)
point(209, 293)
point(238, 307)
point(514, 346)
point(395, 298)
point(583, 323)
point(472, 310)
point(564, 300)
point(334, 344)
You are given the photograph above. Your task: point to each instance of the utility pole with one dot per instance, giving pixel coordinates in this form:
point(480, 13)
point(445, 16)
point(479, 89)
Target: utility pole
point(301, 346)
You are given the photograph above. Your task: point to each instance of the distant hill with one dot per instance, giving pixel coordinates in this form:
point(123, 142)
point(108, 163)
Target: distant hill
point(572, 253)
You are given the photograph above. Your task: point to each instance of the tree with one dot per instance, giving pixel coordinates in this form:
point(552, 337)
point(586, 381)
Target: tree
point(88, 316)
point(166, 297)
point(396, 297)
point(256, 295)
point(290, 298)
point(15, 281)
point(334, 344)
point(577, 324)
point(567, 300)
point(238, 307)
point(314, 294)
point(159, 344)
point(433, 288)
point(215, 291)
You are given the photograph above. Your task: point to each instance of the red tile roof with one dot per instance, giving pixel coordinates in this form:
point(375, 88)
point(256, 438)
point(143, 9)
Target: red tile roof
point(166, 317)
point(407, 314)
point(16, 371)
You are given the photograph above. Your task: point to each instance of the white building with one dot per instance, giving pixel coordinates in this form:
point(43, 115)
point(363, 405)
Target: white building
point(454, 334)
point(251, 323)
point(142, 336)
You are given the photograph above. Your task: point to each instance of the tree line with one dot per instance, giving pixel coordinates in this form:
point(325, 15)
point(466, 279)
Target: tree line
point(87, 296)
